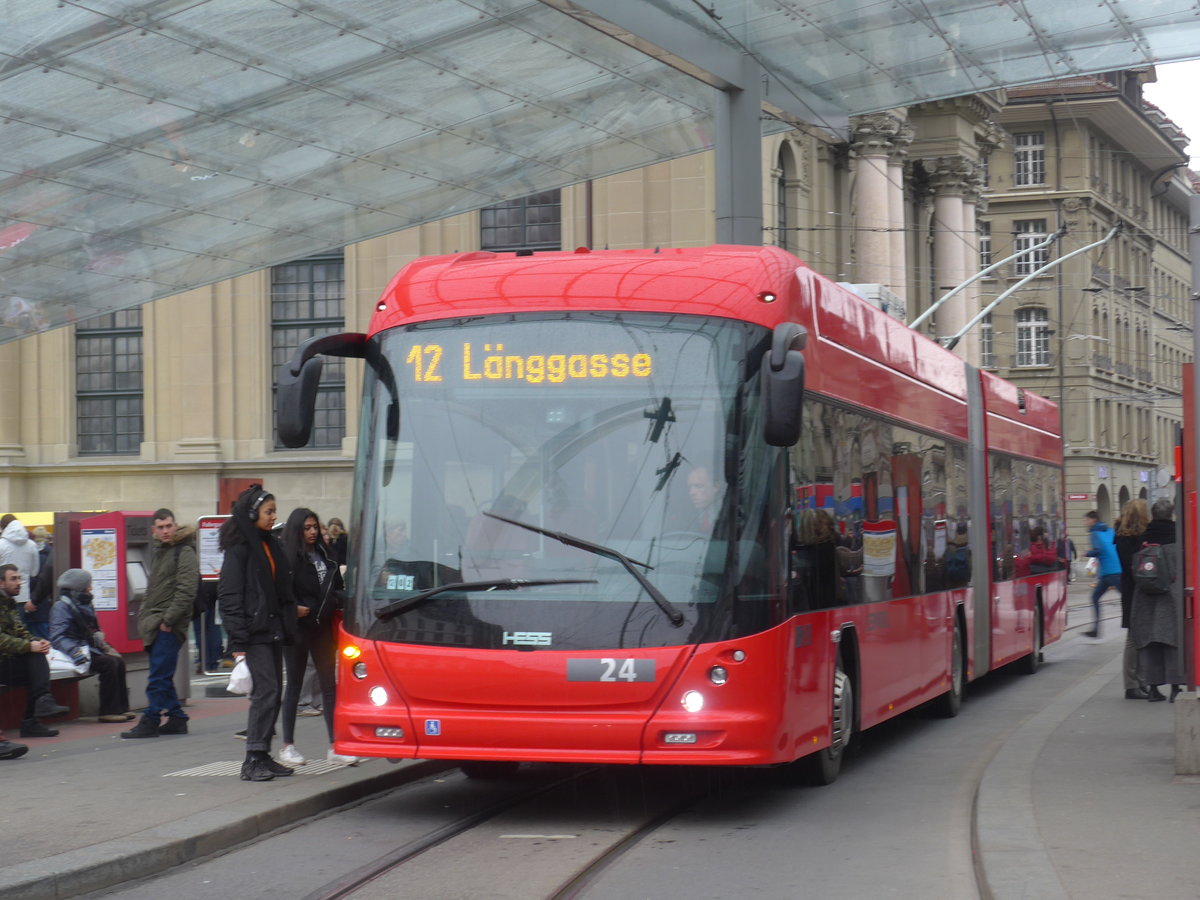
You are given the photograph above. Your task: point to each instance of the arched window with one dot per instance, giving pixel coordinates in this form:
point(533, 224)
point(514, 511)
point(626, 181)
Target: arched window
point(1033, 337)
point(785, 179)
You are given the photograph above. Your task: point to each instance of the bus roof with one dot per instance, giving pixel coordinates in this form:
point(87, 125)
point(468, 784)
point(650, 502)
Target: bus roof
point(761, 285)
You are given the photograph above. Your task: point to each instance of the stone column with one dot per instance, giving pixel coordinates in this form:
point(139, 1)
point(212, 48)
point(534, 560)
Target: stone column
point(898, 234)
point(974, 203)
point(955, 252)
point(872, 144)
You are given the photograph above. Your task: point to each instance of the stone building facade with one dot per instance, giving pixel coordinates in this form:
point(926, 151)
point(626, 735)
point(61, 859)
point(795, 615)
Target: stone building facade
point(172, 404)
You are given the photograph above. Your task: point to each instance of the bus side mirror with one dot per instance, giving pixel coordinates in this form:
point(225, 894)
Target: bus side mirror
point(298, 379)
point(296, 401)
point(782, 376)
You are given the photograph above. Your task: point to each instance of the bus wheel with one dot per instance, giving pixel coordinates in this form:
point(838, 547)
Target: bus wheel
point(823, 766)
point(948, 705)
point(1028, 665)
point(488, 769)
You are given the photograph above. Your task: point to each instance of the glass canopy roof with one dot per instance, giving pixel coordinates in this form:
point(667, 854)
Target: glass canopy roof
point(151, 146)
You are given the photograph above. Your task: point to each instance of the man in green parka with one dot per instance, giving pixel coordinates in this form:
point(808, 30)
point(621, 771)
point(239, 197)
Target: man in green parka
point(163, 622)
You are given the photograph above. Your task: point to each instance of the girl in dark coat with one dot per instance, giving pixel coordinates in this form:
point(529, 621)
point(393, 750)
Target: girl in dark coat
point(1130, 530)
point(317, 587)
point(255, 597)
point(339, 541)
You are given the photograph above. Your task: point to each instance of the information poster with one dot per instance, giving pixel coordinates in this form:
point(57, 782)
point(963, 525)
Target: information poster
point(98, 547)
point(207, 532)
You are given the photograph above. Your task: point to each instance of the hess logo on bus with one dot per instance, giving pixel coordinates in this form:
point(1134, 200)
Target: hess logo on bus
point(528, 638)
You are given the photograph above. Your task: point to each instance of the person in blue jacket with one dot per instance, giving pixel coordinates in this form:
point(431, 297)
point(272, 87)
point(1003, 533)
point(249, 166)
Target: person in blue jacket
point(1104, 550)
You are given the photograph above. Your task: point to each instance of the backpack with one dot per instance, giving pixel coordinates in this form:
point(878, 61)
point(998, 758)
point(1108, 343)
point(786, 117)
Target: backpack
point(958, 566)
point(1152, 569)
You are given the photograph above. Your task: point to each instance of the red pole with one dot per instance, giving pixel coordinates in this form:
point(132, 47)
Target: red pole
point(1187, 474)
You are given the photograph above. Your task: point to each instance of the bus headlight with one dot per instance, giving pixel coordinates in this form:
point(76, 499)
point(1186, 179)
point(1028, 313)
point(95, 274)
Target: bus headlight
point(693, 701)
point(378, 696)
point(360, 670)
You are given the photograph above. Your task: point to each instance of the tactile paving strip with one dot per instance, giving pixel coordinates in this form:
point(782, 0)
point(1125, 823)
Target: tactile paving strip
point(234, 767)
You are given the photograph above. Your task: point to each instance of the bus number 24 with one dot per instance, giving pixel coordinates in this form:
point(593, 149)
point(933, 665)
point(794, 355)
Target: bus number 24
point(610, 669)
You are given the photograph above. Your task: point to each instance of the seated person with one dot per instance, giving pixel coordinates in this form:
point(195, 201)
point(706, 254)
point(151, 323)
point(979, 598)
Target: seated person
point(705, 495)
point(956, 561)
point(1042, 557)
point(23, 659)
point(75, 631)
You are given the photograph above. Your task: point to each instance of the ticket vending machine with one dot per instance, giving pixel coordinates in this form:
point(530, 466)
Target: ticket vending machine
point(115, 547)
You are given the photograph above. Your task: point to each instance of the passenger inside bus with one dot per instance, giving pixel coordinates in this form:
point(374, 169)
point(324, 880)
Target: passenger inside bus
point(956, 562)
point(1040, 557)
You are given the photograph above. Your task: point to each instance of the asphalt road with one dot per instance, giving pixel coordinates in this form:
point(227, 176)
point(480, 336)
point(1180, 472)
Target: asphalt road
point(896, 824)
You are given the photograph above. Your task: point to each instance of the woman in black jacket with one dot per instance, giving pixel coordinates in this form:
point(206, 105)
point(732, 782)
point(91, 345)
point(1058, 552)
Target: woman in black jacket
point(255, 597)
point(317, 587)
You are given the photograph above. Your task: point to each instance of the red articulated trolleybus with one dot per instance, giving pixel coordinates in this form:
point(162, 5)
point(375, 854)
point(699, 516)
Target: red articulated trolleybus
point(692, 506)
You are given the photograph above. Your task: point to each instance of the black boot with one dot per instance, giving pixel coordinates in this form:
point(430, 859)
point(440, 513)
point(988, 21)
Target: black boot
point(253, 769)
point(1175, 691)
point(276, 768)
point(1138, 693)
point(1155, 694)
point(173, 725)
point(145, 728)
point(34, 728)
point(47, 708)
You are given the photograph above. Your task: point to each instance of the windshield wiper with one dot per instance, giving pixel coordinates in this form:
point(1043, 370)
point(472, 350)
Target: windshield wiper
point(502, 584)
point(673, 614)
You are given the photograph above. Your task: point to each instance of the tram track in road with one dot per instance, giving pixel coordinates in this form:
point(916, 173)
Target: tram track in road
point(568, 832)
point(347, 885)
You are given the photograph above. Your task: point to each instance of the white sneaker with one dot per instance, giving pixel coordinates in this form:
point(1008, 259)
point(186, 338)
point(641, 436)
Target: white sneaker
point(290, 756)
point(340, 760)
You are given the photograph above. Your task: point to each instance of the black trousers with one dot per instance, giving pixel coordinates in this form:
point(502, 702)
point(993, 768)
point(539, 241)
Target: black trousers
point(266, 675)
point(320, 643)
point(114, 696)
point(28, 670)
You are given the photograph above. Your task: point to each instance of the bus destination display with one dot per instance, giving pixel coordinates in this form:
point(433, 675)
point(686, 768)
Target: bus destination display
point(483, 363)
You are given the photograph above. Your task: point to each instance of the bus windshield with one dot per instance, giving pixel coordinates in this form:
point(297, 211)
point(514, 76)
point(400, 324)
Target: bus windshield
point(558, 481)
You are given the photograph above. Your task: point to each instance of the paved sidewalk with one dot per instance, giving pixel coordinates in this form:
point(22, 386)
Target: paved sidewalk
point(1082, 801)
point(87, 809)
point(1079, 802)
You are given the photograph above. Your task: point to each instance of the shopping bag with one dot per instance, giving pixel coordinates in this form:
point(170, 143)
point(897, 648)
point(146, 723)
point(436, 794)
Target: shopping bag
point(61, 663)
point(239, 678)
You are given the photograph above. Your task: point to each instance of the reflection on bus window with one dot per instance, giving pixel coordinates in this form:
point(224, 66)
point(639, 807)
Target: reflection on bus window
point(878, 511)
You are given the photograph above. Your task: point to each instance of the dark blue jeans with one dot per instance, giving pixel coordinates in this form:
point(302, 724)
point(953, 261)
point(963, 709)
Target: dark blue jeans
point(1103, 583)
point(208, 640)
point(160, 682)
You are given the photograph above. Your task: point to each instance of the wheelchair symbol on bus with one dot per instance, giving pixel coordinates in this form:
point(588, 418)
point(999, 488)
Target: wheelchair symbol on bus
point(433, 727)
